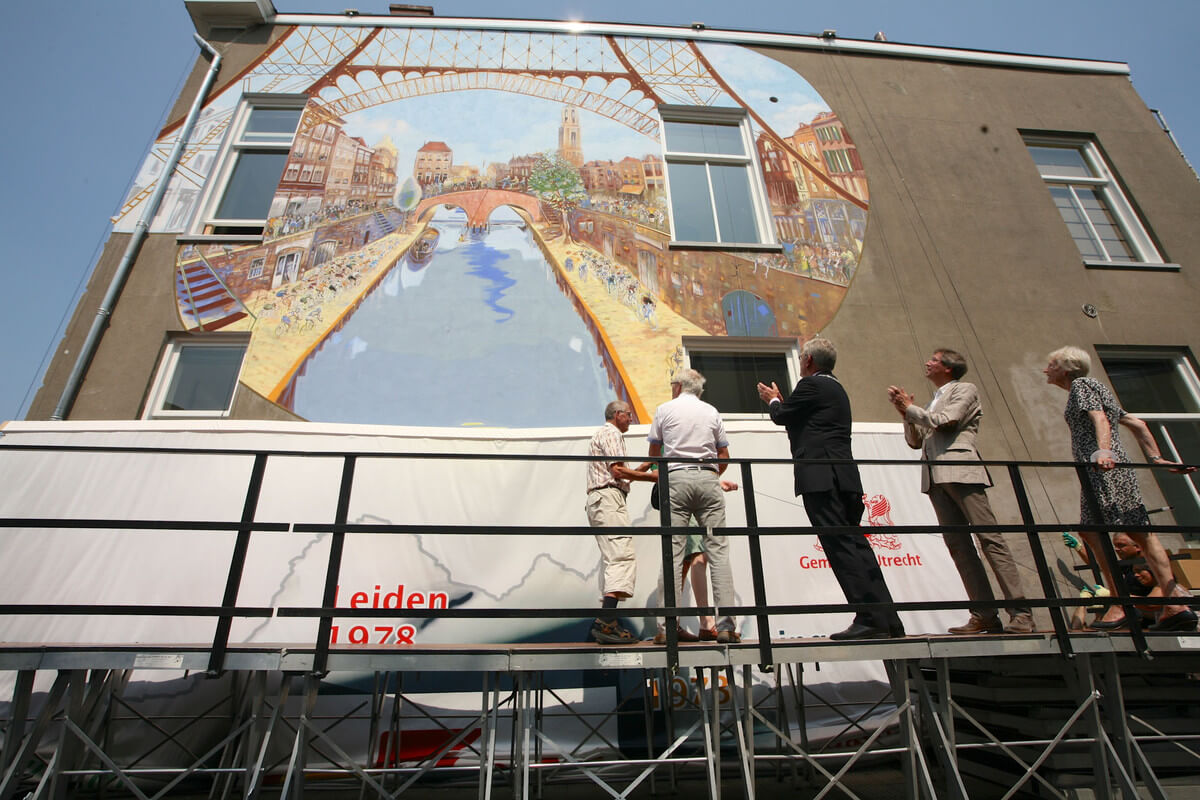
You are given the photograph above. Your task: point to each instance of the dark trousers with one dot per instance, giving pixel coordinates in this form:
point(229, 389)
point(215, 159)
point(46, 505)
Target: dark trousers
point(850, 556)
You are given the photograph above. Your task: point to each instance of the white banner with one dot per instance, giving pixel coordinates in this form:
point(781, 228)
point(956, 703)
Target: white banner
point(408, 571)
point(399, 571)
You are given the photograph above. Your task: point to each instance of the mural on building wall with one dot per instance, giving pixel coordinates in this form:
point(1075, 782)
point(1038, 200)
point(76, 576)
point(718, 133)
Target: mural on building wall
point(471, 228)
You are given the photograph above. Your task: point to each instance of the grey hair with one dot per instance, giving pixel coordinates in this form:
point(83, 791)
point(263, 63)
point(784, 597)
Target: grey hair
point(1074, 360)
point(822, 352)
point(689, 381)
point(612, 408)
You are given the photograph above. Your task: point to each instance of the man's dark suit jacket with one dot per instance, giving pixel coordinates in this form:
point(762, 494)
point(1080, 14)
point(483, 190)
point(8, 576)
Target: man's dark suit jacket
point(817, 418)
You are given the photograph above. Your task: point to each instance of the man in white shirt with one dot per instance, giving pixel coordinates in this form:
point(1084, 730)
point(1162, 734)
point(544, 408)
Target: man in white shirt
point(688, 427)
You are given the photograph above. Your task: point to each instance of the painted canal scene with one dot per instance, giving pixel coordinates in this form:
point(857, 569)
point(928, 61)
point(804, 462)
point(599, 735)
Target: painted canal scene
point(473, 229)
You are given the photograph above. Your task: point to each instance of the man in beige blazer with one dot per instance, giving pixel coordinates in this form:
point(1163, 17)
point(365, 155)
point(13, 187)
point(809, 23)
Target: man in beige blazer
point(956, 483)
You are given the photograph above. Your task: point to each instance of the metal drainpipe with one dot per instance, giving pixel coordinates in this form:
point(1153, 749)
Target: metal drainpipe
point(1162, 121)
point(84, 359)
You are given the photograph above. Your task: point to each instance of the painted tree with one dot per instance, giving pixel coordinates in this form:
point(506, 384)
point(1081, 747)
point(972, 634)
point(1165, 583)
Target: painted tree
point(556, 182)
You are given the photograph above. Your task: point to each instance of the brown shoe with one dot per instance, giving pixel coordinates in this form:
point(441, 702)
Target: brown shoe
point(680, 634)
point(977, 626)
point(1020, 624)
point(728, 637)
point(708, 634)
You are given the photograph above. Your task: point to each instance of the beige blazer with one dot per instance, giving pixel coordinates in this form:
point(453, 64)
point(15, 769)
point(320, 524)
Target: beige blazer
point(946, 437)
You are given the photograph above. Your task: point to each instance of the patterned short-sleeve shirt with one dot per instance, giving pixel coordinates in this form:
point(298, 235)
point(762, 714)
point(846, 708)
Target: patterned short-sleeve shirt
point(608, 441)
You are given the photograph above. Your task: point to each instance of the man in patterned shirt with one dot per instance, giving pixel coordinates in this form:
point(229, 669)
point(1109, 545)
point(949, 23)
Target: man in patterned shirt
point(607, 485)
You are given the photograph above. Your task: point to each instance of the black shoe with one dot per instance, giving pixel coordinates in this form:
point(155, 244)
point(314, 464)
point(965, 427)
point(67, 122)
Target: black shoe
point(1116, 624)
point(857, 631)
point(1182, 622)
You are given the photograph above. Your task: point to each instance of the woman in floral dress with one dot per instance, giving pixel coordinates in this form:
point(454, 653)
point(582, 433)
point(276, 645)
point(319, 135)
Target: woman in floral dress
point(1092, 415)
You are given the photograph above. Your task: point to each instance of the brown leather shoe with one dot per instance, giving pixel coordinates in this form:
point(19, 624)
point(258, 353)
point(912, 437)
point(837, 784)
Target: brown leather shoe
point(977, 626)
point(1020, 624)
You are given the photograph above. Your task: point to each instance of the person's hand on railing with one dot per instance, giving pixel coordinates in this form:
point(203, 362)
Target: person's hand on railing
point(1071, 541)
point(1178, 468)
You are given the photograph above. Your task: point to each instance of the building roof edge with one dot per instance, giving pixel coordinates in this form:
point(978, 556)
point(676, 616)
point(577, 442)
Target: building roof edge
point(797, 41)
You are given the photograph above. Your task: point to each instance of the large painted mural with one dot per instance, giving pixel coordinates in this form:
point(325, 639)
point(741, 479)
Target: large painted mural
point(471, 228)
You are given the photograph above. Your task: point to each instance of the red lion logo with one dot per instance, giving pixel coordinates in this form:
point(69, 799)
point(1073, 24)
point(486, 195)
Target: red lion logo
point(878, 514)
point(879, 510)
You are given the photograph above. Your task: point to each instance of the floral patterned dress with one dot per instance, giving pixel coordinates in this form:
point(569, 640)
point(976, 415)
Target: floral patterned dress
point(1117, 490)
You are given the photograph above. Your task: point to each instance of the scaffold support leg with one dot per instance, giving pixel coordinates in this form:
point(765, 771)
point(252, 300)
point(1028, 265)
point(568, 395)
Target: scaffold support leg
point(522, 734)
point(26, 749)
point(666, 698)
point(293, 782)
point(256, 770)
point(648, 720)
point(491, 704)
point(711, 714)
point(939, 721)
point(18, 712)
point(743, 726)
point(65, 752)
point(1085, 683)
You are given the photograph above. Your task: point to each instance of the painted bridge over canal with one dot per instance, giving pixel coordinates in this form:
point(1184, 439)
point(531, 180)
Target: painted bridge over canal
point(480, 203)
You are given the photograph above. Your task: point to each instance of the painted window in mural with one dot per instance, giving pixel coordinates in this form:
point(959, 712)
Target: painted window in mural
point(486, 215)
point(714, 194)
point(197, 378)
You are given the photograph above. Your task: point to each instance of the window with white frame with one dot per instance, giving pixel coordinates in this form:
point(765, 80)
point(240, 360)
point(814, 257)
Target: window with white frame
point(714, 184)
point(734, 365)
point(239, 195)
point(1160, 385)
point(1097, 213)
point(197, 377)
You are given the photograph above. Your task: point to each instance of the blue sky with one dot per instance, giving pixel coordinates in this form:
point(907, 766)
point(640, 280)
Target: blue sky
point(89, 88)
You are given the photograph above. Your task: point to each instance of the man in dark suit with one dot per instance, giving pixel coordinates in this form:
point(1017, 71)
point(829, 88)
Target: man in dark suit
point(817, 418)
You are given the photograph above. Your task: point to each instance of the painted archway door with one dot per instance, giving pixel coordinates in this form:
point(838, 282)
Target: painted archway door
point(747, 314)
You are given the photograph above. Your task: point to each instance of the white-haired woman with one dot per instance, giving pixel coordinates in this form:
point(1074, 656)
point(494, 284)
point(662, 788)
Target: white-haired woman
point(1092, 415)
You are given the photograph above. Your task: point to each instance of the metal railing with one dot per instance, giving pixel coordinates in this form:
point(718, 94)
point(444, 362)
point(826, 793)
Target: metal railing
point(339, 527)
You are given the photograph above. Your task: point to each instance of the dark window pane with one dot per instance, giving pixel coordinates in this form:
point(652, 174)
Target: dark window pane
point(204, 379)
point(252, 186)
point(731, 378)
point(1150, 385)
point(704, 137)
point(735, 209)
point(691, 203)
point(1185, 437)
